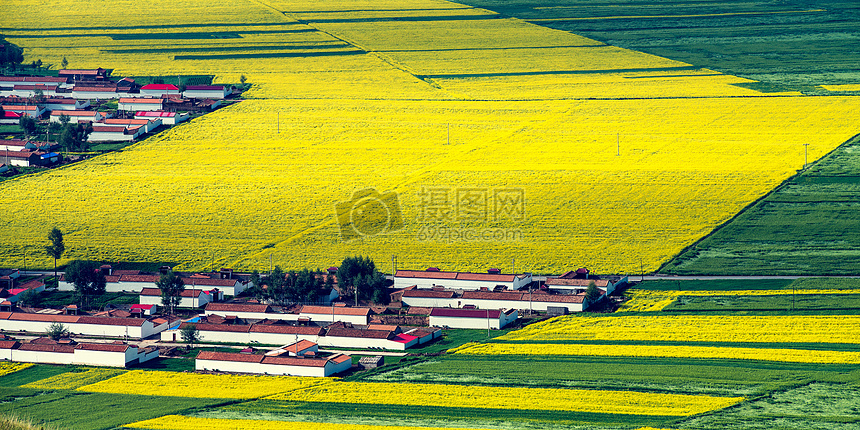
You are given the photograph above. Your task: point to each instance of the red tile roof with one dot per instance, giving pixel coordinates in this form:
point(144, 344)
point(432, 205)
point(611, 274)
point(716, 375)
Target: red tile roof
point(74, 113)
point(146, 307)
point(66, 349)
point(575, 282)
point(425, 274)
point(104, 347)
point(354, 332)
point(94, 89)
point(462, 276)
point(210, 282)
point(429, 294)
point(147, 100)
point(286, 329)
point(299, 346)
point(404, 338)
point(204, 88)
point(155, 114)
point(237, 307)
point(491, 295)
point(295, 361)
point(336, 310)
point(8, 344)
point(20, 316)
point(557, 298)
point(465, 313)
point(33, 79)
point(229, 356)
point(131, 322)
point(139, 278)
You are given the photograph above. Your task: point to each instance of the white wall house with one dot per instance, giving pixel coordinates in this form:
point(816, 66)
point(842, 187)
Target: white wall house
point(190, 298)
point(245, 333)
point(579, 285)
point(136, 328)
point(247, 311)
point(65, 103)
point(33, 111)
point(426, 279)
point(206, 92)
point(94, 93)
point(363, 338)
point(29, 90)
point(140, 104)
point(77, 116)
point(9, 81)
point(87, 354)
point(148, 125)
point(472, 318)
point(357, 315)
point(159, 90)
point(536, 301)
point(272, 365)
point(167, 118)
point(114, 134)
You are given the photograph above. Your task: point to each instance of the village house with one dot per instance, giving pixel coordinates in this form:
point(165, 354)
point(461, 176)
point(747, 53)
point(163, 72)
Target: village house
point(33, 111)
point(167, 118)
point(472, 318)
point(11, 81)
point(148, 125)
point(190, 298)
point(11, 118)
point(522, 300)
point(273, 365)
point(159, 90)
point(577, 281)
point(140, 104)
point(79, 116)
point(355, 315)
point(85, 74)
point(102, 133)
point(44, 350)
point(28, 158)
point(432, 277)
point(38, 322)
point(206, 92)
point(30, 90)
point(65, 103)
point(132, 281)
point(91, 92)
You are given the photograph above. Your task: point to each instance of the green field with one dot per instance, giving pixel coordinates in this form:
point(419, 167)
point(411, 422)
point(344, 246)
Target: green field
point(787, 45)
point(808, 225)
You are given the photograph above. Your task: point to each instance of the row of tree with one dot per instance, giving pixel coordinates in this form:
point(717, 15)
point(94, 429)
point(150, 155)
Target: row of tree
point(70, 136)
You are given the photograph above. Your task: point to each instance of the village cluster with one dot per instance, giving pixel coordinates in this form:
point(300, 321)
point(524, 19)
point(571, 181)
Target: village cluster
point(88, 96)
point(422, 302)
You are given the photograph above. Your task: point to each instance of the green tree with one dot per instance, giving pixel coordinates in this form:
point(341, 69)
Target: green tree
point(277, 291)
point(28, 124)
point(358, 277)
point(87, 279)
point(190, 334)
point(57, 331)
point(29, 298)
point(2, 112)
point(171, 286)
point(592, 293)
point(74, 137)
point(57, 247)
point(242, 80)
point(64, 63)
point(257, 285)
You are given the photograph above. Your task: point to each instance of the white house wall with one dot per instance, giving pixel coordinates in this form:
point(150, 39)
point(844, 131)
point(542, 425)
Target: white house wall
point(256, 315)
point(43, 357)
point(457, 322)
point(354, 319)
point(100, 358)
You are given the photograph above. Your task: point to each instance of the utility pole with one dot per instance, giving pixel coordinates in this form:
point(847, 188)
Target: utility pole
point(618, 144)
point(279, 122)
point(805, 155)
point(449, 133)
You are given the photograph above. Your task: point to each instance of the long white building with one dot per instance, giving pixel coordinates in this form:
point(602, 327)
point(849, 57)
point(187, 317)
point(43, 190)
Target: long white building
point(459, 280)
point(87, 354)
point(272, 365)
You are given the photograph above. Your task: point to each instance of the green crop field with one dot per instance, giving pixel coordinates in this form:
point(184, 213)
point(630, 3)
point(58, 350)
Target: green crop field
point(809, 225)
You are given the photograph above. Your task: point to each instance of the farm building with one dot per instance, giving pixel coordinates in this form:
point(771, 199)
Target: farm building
point(296, 349)
point(425, 334)
point(167, 118)
point(159, 90)
point(191, 298)
point(357, 315)
point(521, 300)
point(148, 125)
point(11, 118)
point(136, 328)
point(344, 337)
point(577, 281)
point(10, 81)
point(206, 92)
point(98, 74)
point(132, 104)
point(144, 310)
point(247, 311)
point(103, 133)
point(472, 318)
point(134, 281)
point(44, 350)
point(33, 111)
point(94, 92)
point(431, 277)
point(77, 116)
point(273, 365)
point(28, 158)
point(65, 103)
point(30, 90)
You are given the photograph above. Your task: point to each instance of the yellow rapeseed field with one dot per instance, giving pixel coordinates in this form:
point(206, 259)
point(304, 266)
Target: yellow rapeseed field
point(673, 351)
point(844, 87)
point(9, 367)
point(176, 384)
point(73, 380)
point(499, 139)
point(695, 328)
point(179, 422)
point(551, 399)
point(655, 300)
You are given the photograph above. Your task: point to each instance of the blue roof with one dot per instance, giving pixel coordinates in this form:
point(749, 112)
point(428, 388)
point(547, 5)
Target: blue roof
point(50, 155)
